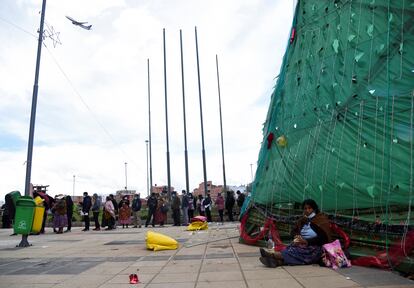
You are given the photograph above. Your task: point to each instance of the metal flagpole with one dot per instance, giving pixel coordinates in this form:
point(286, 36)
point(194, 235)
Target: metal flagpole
point(126, 177)
point(74, 177)
point(149, 126)
point(201, 117)
point(146, 143)
point(221, 127)
point(187, 184)
point(166, 120)
point(24, 242)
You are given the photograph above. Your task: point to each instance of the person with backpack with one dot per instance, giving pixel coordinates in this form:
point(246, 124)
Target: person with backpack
point(136, 210)
point(86, 207)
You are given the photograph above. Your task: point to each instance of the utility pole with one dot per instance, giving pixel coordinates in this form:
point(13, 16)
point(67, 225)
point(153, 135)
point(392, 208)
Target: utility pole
point(24, 242)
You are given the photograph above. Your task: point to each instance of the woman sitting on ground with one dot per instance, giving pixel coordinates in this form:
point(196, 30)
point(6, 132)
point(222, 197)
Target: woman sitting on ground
point(310, 233)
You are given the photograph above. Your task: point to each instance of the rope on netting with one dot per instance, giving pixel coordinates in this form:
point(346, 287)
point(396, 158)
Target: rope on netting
point(337, 162)
point(402, 38)
point(357, 160)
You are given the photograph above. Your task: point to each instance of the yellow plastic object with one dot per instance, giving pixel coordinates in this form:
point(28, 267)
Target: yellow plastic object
point(158, 242)
point(39, 212)
point(39, 201)
point(281, 141)
point(197, 225)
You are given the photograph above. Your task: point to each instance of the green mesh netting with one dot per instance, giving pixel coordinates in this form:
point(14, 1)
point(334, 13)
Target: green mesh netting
point(344, 104)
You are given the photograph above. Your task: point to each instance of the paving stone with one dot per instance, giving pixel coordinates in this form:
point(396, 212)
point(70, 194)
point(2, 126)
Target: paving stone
point(249, 254)
point(275, 273)
point(188, 257)
point(222, 284)
point(371, 277)
point(155, 258)
point(220, 276)
point(174, 278)
point(219, 255)
point(328, 281)
point(282, 283)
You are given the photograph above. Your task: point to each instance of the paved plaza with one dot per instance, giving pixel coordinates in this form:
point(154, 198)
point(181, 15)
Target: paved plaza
point(106, 259)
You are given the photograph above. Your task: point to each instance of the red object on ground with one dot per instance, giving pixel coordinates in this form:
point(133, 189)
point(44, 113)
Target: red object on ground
point(133, 279)
point(269, 226)
point(396, 254)
point(270, 140)
point(199, 219)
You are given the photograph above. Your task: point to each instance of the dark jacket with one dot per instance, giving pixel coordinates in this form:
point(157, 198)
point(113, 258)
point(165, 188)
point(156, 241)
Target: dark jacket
point(136, 204)
point(86, 204)
point(176, 202)
point(69, 206)
point(229, 201)
point(240, 199)
point(320, 224)
point(184, 202)
point(96, 205)
point(152, 203)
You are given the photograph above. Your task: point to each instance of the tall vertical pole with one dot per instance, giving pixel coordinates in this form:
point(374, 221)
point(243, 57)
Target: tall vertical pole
point(149, 126)
point(201, 117)
point(166, 119)
point(126, 177)
point(74, 185)
point(187, 182)
point(146, 142)
point(24, 242)
point(221, 127)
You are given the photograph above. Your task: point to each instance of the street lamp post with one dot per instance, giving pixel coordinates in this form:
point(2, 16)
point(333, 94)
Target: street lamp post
point(24, 242)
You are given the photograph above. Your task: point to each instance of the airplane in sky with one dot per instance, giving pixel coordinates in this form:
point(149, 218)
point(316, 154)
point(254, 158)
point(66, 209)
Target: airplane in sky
point(80, 24)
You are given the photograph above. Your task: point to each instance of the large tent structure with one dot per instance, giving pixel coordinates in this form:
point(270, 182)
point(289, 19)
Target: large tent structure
point(340, 124)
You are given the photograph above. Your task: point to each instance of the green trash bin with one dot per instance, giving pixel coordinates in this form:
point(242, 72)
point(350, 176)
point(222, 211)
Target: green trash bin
point(25, 207)
point(15, 195)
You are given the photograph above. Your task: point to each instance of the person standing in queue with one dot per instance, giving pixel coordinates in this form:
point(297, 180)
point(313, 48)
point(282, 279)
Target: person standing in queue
point(96, 207)
point(86, 207)
point(69, 211)
point(152, 206)
point(136, 210)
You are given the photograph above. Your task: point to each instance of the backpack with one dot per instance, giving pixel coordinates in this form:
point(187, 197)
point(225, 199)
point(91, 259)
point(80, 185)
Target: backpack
point(333, 256)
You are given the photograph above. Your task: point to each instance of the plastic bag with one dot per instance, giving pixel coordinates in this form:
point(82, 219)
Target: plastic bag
point(197, 225)
point(158, 242)
point(334, 256)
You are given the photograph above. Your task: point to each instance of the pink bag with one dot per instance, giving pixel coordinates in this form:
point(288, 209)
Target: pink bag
point(334, 256)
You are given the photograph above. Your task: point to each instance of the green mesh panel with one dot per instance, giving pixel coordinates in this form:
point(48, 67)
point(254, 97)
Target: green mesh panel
point(344, 102)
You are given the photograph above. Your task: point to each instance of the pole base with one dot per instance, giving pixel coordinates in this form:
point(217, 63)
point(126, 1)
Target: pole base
point(24, 242)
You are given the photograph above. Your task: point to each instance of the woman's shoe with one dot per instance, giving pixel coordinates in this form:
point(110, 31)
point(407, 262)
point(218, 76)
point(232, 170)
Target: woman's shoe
point(268, 262)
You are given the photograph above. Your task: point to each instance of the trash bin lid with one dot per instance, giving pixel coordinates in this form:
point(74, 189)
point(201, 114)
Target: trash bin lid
point(25, 201)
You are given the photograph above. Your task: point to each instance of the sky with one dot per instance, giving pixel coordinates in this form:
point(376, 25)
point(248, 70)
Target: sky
point(92, 109)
